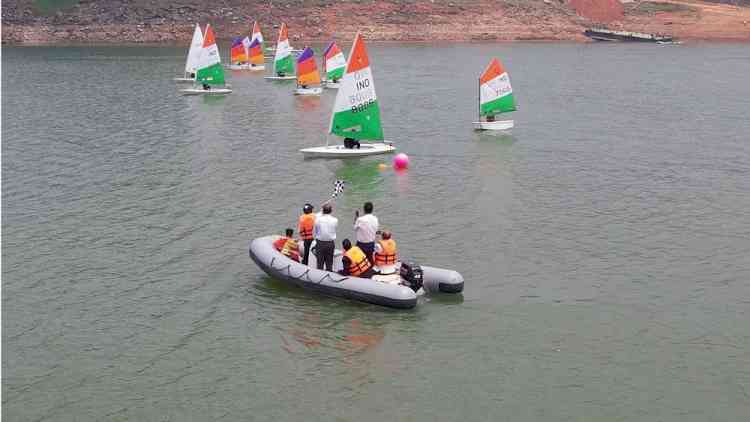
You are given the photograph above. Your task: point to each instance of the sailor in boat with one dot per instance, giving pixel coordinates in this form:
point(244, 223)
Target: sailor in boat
point(355, 261)
point(206, 87)
point(288, 246)
point(324, 232)
point(350, 143)
point(365, 230)
point(385, 254)
point(306, 224)
point(280, 74)
point(490, 118)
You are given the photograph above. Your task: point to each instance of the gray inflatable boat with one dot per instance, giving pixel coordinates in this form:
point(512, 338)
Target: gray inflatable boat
point(398, 293)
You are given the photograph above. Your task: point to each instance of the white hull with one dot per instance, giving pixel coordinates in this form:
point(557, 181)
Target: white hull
point(238, 67)
point(257, 67)
point(332, 85)
point(281, 78)
point(201, 91)
point(184, 80)
point(338, 151)
point(308, 91)
point(496, 125)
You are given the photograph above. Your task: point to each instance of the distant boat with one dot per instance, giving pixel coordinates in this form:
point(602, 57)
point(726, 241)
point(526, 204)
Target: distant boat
point(283, 65)
point(308, 76)
point(356, 114)
point(603, 34)
point(209, 73)
point(238, 55)
point(495, 97)
point(334, 64)
point(192, 58)
point(255, 51)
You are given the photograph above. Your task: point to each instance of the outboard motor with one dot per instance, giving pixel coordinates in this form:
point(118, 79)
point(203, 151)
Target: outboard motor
point(411, 273)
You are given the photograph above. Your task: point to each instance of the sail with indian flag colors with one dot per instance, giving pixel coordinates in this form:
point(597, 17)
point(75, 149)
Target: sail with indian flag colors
point(209, 70)
point(335, 62)
point(356, 113)
point(237, 53)
point(307, 68)
point(282, 62)
point(495, 92)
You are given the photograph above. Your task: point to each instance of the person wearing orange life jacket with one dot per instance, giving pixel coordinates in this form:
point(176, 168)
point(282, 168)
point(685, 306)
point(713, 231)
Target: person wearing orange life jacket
point(306, 225)
point(385, 253)
point(355, 261)
point(287, 245)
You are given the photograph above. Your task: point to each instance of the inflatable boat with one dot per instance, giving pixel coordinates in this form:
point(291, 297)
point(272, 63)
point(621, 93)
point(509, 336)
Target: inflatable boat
point(399, 290)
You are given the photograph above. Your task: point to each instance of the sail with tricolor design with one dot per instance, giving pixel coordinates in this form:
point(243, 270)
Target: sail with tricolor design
point(209, 70)
point(283, 65)
point(495, 92)
point(255, 53)
point(334, 62)
point(356, 113)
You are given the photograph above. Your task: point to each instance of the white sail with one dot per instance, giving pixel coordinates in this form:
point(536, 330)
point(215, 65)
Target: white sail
point(195, 49)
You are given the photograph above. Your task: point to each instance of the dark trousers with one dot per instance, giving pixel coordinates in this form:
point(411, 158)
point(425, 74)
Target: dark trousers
point(369, 249)
point(306, 250)
point(324, 253)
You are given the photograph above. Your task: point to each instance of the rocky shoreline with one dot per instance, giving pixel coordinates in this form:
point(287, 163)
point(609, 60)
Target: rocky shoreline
point(155, 22)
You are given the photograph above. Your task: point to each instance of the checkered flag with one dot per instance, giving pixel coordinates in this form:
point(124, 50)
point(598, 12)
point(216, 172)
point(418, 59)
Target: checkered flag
point(338, 187)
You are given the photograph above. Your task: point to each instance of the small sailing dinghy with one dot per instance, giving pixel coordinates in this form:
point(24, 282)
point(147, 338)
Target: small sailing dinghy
point(334, 64)
point(495, 97)
point(308, 77)
point(399, 290)
point(255, 49)
point(283, 65)
point(192, 58)
point(210, 73)
point(238, 55)
point(356, 114)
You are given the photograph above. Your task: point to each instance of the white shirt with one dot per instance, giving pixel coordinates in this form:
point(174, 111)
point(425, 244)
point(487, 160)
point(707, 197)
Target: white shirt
point(325, 227)
point(365, 228)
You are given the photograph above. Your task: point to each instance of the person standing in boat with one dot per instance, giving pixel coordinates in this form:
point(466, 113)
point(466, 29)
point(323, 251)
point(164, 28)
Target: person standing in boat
point(385, 254)
point(324, 232)
point(355, 262)
point(288, 246)
point(306, 225)
point(365, 230)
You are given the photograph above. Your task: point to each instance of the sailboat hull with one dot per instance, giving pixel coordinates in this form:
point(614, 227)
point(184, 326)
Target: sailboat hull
point(238, 67)
point(184, 80)
point(201, 91)
point(497, 125)
point(339, 151)
point(257, 67)
point(308, 91)
point(332, 85)
point(280, 78)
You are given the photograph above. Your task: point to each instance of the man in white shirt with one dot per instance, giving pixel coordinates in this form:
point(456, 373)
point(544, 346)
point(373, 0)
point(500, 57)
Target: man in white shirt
point(365, 230)
point(324, 232)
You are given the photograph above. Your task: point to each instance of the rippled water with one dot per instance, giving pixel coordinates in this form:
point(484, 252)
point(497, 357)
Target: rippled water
point(605, 244)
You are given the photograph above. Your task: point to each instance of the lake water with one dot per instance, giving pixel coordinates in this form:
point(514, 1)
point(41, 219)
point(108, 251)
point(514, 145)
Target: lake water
point(605, 243)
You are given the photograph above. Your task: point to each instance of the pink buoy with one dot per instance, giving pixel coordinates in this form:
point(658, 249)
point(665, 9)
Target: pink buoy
point(400, 161)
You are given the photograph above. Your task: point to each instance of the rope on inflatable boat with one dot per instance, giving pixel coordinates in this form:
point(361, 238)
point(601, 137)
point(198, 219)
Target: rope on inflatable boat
point(305, 274)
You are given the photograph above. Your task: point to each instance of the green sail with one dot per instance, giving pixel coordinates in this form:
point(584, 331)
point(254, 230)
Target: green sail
point(501, 105)
point(363, 125)
point(335, 74)
point(285, 66)
point(211, 75)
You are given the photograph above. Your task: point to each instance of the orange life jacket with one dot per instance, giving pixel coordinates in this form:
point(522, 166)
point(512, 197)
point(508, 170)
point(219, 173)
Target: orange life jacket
point(388, 254)
point(358, 262)
point(306, 223)
point(288, 247)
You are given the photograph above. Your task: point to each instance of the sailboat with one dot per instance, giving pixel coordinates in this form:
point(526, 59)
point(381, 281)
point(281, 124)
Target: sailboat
point(307, 74)
point(283, 65)
point(356, 114)
point(495, 97)
point(209, 71)
point(237, 55)
point(255, 49)
point(195, 47)
point(334, 64)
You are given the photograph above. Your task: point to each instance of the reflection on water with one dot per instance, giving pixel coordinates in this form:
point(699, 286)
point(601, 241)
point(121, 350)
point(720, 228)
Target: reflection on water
point(364, 181)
